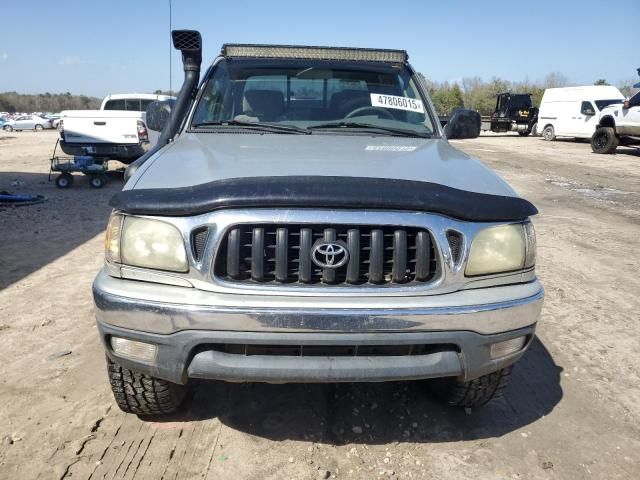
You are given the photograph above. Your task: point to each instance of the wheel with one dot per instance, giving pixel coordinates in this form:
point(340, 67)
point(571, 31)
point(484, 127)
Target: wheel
point(548, 133)
point(524, 134)
point(473, 393)
point(64, 180)
point(8, 128)
point(97, 181)
point(142, 394)
point(604, 140)
point(39, 128)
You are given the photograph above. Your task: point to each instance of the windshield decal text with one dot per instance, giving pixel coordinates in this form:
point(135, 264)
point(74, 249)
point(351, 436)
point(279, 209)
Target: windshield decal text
point(400, 103)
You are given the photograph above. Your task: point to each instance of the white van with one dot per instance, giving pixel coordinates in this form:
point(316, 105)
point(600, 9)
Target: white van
point(574, 111)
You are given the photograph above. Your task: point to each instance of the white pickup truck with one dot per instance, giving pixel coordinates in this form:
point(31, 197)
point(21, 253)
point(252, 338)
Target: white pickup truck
point(117, 131)
point(619, 125)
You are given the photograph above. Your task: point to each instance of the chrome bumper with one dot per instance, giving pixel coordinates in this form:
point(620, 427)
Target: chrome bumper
point(187, 322)
point(166, 309)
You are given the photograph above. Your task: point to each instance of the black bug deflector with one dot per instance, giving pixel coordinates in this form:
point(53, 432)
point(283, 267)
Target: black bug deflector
point(324, 192)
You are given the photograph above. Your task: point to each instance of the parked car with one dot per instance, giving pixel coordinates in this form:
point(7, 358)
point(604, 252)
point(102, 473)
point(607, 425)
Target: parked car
point(55, 119)
point(574, 111)
point(117, 131)
point(337, 237)
point(619, 124)
point(27, 122)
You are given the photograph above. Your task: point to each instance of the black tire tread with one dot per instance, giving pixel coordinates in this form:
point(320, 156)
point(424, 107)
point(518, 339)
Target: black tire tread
point(476, 392)
point(611, 144)
point(142, 394)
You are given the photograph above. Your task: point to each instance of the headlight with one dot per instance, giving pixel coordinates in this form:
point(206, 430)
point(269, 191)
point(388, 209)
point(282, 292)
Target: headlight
point(143, 242)
point(502, 248)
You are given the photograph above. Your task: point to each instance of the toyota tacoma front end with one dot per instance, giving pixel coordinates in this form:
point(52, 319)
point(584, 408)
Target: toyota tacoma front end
point(304, 219)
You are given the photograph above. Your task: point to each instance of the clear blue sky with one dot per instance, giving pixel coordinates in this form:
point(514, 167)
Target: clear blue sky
point(100, 47)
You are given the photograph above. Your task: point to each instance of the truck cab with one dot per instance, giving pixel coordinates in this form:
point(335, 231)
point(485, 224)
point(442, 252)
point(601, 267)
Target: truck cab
point(303, 218)
point(514, 112)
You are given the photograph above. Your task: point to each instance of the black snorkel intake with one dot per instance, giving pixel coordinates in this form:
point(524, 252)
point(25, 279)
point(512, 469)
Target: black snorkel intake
point(189, 42)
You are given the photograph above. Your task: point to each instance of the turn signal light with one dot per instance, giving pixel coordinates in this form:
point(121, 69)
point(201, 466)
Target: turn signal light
point(502, 349)
point(134, 349)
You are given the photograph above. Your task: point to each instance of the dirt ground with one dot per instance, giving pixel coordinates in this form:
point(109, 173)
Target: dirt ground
point(573, 409)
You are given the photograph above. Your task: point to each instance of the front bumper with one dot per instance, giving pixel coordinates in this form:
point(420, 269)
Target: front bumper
point(185, 323)
point(125, 153)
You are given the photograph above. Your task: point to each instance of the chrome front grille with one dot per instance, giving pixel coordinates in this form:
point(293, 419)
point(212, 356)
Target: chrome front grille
point(274, 254)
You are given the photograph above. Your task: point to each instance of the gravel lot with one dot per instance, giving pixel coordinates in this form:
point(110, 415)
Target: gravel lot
point(572, 411)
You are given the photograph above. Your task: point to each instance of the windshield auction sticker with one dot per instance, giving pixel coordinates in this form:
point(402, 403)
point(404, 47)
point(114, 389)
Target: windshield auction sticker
point(400, 103)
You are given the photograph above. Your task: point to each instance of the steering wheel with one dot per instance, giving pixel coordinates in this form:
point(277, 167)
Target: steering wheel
point(374, 110)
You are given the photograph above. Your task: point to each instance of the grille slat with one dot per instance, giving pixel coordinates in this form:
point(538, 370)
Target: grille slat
point(233, 253)
point(304, 267)
point(282, 250)
point(399, 261)
point(257, 254)
point(353, 244)
point(423, 256)
point(273, 254)
point(376, 257)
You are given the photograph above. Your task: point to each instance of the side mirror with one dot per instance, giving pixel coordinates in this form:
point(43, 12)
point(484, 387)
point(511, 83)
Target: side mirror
point(463, 124)
point(588, 111)
point(158, 114)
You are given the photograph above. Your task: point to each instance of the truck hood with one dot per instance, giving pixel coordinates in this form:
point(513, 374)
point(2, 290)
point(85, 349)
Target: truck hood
point(198, 158)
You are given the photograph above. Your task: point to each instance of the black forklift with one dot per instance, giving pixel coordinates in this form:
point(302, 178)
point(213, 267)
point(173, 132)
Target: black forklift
point(514, 113)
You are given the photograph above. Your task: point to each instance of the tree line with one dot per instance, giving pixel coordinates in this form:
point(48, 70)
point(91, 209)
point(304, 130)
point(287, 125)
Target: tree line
point(45, 102)
point(470, 92)
point(476, 94)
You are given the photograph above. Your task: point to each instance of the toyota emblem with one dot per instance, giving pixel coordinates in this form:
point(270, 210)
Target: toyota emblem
point(330, 254)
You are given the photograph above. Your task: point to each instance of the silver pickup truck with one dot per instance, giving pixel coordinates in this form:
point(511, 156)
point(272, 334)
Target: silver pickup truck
point(303, 218)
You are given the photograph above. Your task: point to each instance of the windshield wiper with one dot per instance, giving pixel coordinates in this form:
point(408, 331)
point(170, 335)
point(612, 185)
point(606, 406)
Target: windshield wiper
point(369, 126)
point(271, 127)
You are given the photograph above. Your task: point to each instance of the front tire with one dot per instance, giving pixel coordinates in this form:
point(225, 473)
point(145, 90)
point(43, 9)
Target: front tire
point(8, 128)
point(549, 133)
point(142, 394)
point(39, 128)
point(64, 180)
point(604, 140)
point(473, 393)
point(97, 181)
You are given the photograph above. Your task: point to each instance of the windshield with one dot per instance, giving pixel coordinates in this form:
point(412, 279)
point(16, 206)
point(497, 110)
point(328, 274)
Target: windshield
point(603, 103)
point(520, 101)
point(313, 96)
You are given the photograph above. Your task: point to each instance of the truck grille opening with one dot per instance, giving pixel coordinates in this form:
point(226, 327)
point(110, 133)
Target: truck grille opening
point(361, 255)
point(455, 244)
point(331, 350)
point(198, 242)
